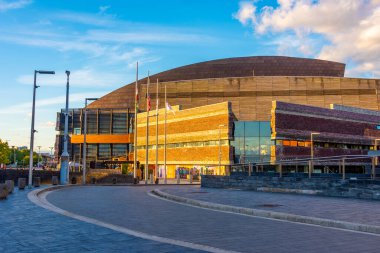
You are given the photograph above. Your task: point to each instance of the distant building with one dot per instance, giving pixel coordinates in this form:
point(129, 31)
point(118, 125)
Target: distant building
point(246, 86)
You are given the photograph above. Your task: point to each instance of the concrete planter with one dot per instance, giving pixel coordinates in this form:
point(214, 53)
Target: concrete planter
point(3, 191)
point(21, 183)
point(54, 180)
point(37, 182)
point(11, 185)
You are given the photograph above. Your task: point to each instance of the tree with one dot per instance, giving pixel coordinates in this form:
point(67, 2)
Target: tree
point(4, 152)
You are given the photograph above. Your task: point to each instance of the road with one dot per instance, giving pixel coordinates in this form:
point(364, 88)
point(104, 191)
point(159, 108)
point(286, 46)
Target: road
point(133, 208)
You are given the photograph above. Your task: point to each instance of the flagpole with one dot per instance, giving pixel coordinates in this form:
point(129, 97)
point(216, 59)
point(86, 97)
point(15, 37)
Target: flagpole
point(135, 125)
point(157, 104)
point(147, 130)
point(165, 179)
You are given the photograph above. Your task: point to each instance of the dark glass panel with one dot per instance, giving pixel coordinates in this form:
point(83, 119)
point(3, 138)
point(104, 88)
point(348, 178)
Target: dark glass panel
point(119, 123)
point(265, 128)
point(104, 152)
point(239, 128)
point(104, 122)
point(252, 129)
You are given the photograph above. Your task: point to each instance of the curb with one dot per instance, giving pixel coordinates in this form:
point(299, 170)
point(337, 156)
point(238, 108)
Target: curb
point(271, 215)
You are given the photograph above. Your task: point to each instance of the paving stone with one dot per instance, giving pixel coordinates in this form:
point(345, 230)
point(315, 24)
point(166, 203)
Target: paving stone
point(133, 208)
point(25, 227)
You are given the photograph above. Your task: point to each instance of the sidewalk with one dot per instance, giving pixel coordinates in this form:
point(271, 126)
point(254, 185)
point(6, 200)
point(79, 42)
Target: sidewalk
point(25, 227)
point(341, 209)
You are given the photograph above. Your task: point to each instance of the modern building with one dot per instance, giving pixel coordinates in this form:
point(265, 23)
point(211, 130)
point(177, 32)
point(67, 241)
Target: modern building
point(246, 86)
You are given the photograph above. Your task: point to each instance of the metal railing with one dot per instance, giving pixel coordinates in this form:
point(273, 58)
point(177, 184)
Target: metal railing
point(332, 166)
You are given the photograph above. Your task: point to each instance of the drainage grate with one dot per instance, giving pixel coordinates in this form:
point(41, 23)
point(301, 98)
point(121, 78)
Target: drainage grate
point(268, 205)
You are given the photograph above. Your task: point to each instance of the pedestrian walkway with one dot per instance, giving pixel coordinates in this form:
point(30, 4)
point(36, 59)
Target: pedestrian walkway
point(26, 227)
point(341, 209)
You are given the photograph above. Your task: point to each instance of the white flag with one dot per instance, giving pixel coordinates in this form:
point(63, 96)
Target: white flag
point(169, 108)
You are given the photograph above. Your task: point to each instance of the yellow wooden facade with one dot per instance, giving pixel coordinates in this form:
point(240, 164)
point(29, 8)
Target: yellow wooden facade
point(193, 136)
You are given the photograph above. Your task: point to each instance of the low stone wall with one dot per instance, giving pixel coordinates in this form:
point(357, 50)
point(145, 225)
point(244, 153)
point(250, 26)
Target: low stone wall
point(359, 188)
point(108, 177)
point(44, 175)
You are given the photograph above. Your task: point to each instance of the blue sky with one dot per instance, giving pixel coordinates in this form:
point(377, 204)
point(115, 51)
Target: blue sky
point(100, 41)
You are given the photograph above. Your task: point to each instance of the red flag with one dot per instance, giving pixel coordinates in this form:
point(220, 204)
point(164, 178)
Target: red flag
point(148, 103)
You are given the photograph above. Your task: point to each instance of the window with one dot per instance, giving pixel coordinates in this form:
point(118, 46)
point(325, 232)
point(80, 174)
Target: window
point(104, 151)
point(119, 123)
point(239, 128)
point(92, 122)
point(104, 122)
point(265, 128)
point(252, 129)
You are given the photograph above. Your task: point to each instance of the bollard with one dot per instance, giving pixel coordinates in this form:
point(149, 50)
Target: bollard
point(156, 181)
point(3, 191)
point(249, 169)
point(151, 178)
point(114, 180)
point(74, 180)
point(178, 179)
point(93, 180)
point(54, 180)
point(11, 185)
point(21, 183)
point(37, 182)
point(191, 178)
point(135, 180)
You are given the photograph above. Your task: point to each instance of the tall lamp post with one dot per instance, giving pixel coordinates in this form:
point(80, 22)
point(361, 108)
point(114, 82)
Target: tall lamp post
point(32, 130)
point(311, 169)
point(65, 154)
point(84, 140)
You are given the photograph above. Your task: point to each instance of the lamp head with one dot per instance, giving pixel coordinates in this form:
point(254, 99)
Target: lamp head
point(44, 72)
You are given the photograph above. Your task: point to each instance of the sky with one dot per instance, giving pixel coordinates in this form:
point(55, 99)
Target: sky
point(100, 42)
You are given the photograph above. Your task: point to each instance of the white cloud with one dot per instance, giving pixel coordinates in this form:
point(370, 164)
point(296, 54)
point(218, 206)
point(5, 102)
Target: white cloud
point(6, 5)
point(49, 124)
point(246, 13)
point(86, 77)
point(111, 46)
point(85, 18)
point(103, 9)
point(53, 103)
point(351, 28)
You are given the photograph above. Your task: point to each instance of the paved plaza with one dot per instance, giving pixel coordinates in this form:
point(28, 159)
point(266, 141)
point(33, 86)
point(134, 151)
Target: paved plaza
point(26, 227)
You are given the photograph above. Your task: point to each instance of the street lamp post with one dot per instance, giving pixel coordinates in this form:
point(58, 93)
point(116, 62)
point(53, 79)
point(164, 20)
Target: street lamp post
point(65, 154)
point(84, 140)
point(32, 130)
point(311, 167)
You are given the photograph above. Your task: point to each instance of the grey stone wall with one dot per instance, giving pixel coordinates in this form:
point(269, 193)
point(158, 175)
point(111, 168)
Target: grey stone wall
point(350, 188)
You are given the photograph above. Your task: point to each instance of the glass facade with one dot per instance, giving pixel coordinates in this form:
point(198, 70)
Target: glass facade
point(252, 141)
